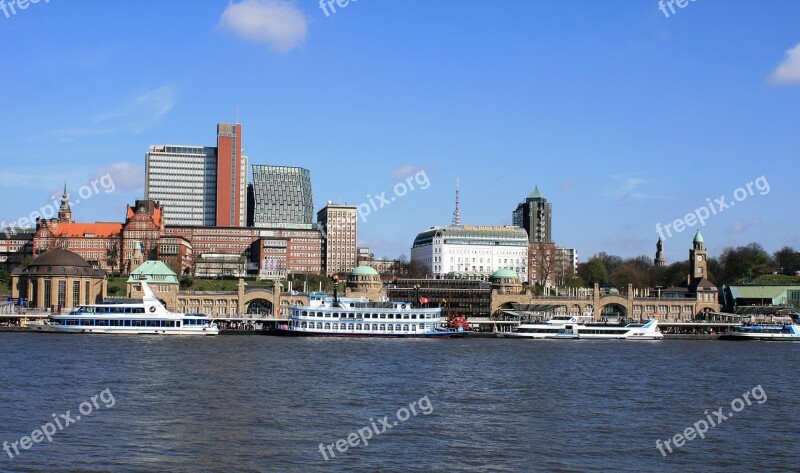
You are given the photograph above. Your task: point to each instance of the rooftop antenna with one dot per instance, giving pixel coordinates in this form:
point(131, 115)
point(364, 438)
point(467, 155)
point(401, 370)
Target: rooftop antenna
point(457, 211)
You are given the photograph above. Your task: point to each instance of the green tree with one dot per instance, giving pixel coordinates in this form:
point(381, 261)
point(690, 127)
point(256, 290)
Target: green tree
point(596, 272)
point(787, 260)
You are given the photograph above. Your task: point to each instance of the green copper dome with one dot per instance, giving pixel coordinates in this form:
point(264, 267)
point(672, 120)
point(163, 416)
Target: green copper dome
point(504, 273)
point(698, 238)
point(364, 271)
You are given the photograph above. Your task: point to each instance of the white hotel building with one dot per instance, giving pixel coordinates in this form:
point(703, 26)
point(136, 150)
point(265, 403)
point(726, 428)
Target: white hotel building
point(466, 251)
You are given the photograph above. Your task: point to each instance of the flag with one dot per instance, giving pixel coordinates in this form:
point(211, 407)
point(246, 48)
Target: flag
point(423, 300)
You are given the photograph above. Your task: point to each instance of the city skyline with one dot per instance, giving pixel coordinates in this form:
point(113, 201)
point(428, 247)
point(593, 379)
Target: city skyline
point(616, 158)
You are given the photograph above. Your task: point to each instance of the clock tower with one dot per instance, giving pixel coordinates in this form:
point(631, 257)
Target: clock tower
point(698, 258)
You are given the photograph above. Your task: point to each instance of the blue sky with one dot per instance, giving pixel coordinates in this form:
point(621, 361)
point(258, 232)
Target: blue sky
point(623, 117)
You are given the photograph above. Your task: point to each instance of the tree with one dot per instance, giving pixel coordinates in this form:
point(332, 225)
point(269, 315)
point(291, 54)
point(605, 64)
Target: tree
point(787, 260)
point(744, 263)
point(630, 273)
point(611, 262)
point(541, 257)
point(417, 269)
point(112, 256)
point(596, 272)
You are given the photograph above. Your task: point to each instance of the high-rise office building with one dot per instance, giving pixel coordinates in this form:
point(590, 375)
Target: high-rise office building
point(282, 197)
point(183, 179)
point(200, 185)
point(534, 215)
point(339, 225)
point(231, 209)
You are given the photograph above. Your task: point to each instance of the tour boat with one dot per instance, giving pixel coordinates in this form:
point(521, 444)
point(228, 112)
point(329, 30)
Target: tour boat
point(349, 317)
point(580, 328)
point(147, 317)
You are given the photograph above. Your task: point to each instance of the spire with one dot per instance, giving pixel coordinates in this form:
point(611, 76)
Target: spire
point(64, 211)
point(457, 212)
point(536, 194)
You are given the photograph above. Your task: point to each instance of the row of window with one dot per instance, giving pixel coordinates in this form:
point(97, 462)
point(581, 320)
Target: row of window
point(130, 323)
point(360, 328)
point(337, 315)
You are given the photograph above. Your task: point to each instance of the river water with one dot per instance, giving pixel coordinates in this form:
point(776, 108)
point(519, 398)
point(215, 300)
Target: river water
point(261, 404)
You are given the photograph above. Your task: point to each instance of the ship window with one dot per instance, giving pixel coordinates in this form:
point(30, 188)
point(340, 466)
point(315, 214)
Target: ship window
point(405, 316)
point(405, 328)
point(335, 326)
point(327, 326)
point(414, 328)
point(383, 316)
point(350, 327)
point(391, 316)
point(397, 327)
point(383, 326)
point(305, 313)
point(358, 326)
point(303, 325)
point(413, 316)
point(374, 326)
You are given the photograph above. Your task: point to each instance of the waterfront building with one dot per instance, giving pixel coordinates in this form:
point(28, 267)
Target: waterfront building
point(566, 263)
point(470, 298)
point(177, 253)
point(472, 249)
point(542, 263)
point(15, 245)
point(58, 279)
point(162, 281)
point(534, 214)
point(200, 185)
point(268, 253)
point(339, 224)
point(738, 296)
point(282, 197)
point(105, 245)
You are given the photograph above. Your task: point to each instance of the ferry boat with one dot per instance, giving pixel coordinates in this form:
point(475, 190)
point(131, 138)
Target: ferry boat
point(768, 329)
point(147, 317)
point(326, 316)
point(581, 328)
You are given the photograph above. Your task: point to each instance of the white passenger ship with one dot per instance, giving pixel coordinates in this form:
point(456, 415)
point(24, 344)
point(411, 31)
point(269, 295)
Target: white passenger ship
point(580, 327)
point(346, 317)
point(767, 328)
point(147, 317)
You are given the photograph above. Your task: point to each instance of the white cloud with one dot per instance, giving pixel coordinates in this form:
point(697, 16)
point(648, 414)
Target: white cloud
point(276, 23)
point(738, 227)
point(788, 72)
point(135, 116)
point(126, 176)
point(406, 171)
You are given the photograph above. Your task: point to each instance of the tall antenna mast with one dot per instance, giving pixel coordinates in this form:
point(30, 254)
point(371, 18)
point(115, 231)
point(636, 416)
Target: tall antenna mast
point(457, 211)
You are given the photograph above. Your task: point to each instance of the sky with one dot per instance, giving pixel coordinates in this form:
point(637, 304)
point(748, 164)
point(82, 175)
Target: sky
point(627, 117)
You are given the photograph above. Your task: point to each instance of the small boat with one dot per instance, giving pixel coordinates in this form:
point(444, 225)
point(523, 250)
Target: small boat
point(149, 317)
point(769, 328)
point(349, 317)
point(581, 328)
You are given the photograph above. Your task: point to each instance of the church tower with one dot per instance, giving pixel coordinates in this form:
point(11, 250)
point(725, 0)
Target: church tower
point(698, 258)
point(65, 212)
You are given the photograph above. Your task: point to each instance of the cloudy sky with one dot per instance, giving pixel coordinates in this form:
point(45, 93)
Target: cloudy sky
point(625, 118)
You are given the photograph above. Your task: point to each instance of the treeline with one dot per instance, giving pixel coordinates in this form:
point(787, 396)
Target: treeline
point(749, 264)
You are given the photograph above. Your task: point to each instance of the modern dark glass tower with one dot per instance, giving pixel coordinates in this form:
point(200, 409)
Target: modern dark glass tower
point(282, 197)
point(534, 215)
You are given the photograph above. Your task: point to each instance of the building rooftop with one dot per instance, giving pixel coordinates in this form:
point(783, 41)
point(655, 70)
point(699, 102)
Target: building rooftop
point(154, 272)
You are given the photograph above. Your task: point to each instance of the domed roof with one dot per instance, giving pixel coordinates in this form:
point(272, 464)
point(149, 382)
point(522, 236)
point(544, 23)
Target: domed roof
point(60, 262)
point(504, 273)
point(698, 238)
point(60, 257)
point(364, 271)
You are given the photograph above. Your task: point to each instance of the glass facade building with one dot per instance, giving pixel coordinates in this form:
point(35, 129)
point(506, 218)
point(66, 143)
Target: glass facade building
point(282, 197)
